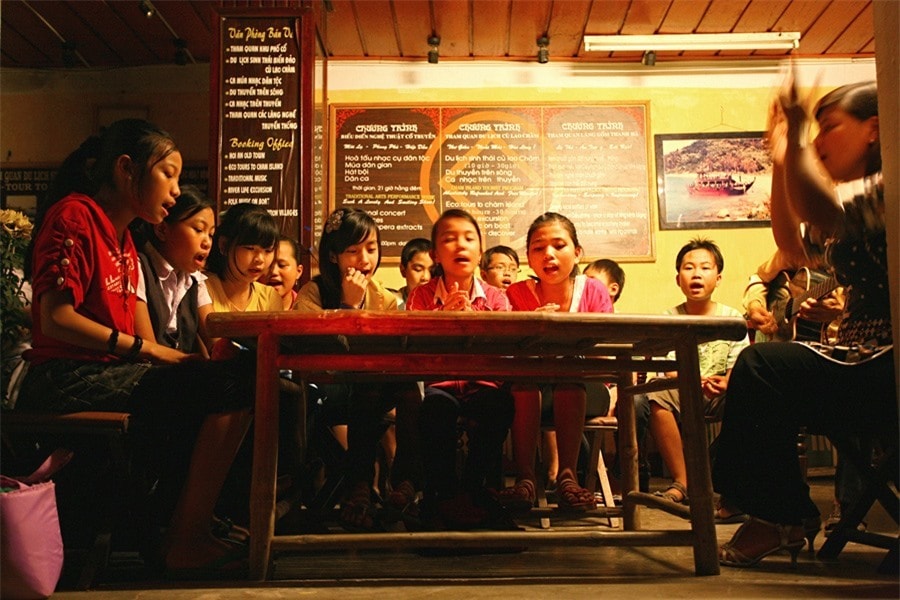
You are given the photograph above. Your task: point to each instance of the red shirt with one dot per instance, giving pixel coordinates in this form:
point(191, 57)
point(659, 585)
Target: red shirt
point(77, 249)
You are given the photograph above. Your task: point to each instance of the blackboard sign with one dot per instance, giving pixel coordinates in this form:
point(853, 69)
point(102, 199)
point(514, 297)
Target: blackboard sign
point(504, 164)
point(20, 187)
point(257, 99)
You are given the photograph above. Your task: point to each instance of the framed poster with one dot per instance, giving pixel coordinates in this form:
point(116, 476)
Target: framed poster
point(504, 164)
point(712, 180)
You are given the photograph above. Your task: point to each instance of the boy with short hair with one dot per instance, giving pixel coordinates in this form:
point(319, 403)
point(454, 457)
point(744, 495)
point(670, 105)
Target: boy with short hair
point(610, 273)
point(500, 266)
point(415, 266)
point(699, 267)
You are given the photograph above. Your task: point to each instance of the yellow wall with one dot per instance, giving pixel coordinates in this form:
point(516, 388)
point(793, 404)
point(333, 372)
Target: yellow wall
point(46, 114)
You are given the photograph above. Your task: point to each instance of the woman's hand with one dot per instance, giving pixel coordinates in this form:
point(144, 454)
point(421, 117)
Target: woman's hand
point(825, 310)
point(776, 132)
point(353, 288)
point(797, 111)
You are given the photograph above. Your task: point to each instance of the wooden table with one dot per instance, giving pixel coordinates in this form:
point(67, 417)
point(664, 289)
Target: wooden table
point(539, 347)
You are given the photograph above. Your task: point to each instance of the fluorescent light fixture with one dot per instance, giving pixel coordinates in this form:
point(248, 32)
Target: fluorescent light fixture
point(776, 40)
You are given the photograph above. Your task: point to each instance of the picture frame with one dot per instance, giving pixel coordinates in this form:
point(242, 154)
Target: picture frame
point(713, 180)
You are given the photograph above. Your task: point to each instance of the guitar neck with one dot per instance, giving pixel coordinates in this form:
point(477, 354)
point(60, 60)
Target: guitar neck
point(818, 291)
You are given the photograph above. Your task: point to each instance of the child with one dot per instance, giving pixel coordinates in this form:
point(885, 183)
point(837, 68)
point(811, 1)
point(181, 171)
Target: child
point(349, 256)
point(553, 253)
point(500, 266)
point(94, 347)
point(415, 266)
point(456, 248)
point(242, 252)
point(610, 274)
point(699, 267)
point(286, 271)
point(601, 399)
point(172, 255)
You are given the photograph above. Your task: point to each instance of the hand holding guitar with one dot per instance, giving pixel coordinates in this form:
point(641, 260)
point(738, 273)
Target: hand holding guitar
point(824, 310)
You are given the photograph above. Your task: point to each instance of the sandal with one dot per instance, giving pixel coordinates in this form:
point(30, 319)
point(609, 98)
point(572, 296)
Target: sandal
point(226, 530)
point(518, 498)
point(402, 496)
point(357, 513)
point(403, 505)
point(571, 496)
point(761, 539)
point(681, 498)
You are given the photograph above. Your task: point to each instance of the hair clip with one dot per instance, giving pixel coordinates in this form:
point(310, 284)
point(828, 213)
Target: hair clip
point(334, 221)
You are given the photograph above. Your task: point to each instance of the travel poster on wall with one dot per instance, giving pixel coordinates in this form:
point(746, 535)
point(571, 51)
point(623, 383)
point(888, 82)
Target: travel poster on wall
point(504, 164)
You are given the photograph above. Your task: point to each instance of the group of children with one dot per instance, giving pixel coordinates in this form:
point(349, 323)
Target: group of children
point(120, 320)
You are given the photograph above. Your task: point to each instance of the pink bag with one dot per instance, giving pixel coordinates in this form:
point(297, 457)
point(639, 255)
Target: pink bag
point(31, 548)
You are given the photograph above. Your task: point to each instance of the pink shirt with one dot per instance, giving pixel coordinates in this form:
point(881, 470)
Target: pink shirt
point(431, 295)
point(483, 296)
point(588, 295)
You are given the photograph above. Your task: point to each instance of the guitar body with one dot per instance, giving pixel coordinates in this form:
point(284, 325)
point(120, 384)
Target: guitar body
point(787, 293)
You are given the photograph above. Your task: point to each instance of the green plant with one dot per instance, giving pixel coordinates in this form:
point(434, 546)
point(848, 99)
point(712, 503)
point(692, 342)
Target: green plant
point(15, 233)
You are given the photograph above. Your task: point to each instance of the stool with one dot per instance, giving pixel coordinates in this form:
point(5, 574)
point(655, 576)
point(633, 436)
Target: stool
point(877, 479)
point(596, 475)
point(112, 428)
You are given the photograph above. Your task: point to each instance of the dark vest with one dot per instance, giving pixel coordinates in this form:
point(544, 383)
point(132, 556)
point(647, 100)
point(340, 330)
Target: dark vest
point(184, 338)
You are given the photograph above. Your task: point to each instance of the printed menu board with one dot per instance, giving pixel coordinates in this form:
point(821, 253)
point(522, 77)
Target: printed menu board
point(504, 164)
point(258, 101)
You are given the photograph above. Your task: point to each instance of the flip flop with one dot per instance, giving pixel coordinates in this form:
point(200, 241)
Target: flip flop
point(731, 519)
point(668, 495)
point(226, 530)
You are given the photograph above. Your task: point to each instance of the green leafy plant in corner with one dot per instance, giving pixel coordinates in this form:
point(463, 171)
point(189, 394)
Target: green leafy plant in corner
point(15, 234)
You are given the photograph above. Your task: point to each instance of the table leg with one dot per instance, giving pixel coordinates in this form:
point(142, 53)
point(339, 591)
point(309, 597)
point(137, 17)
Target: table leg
point(696, 457)
point(265, 456)
point(628, 451)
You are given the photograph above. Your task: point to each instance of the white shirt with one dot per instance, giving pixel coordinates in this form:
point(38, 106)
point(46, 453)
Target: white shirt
point(174, 284)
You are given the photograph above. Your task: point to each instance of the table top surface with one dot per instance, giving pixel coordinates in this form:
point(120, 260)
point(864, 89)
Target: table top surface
point(493, 333)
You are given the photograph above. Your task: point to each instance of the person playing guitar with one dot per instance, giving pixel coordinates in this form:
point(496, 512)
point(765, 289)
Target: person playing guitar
point(784, 302)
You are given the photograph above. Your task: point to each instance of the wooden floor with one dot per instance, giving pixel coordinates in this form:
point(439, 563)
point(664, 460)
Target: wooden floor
point(612, 572)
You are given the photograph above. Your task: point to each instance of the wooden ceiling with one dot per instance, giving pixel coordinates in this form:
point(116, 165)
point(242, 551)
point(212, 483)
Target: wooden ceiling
point(116, 33)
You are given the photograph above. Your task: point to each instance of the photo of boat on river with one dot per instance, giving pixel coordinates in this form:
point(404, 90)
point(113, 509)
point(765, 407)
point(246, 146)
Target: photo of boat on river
point(713, 180)
point(708, 184)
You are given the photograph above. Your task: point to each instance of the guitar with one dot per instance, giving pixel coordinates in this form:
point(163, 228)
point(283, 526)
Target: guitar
point(787, 293)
